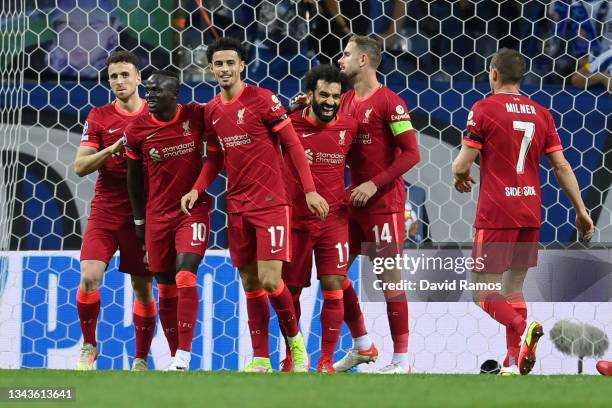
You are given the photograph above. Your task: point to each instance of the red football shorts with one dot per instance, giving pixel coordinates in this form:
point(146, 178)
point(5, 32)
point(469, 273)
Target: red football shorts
point(500, 250)
point(101, 240)
point(185, 233)
point(262, 234)
point(383, 232)
point(328, 240)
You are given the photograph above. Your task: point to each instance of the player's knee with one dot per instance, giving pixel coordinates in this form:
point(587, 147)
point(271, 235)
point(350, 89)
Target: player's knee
point(143, 288)
point(250, 282)
point(188, 262)
point(89, 282)
point(332, 282)
point(165, 278)
point(270, 282)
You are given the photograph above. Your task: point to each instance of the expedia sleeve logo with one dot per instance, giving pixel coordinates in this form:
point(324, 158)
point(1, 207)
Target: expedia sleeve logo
point(470, 119)
point(85, 136)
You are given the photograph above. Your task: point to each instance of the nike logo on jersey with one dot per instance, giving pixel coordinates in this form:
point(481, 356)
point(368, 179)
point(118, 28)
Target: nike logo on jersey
point(113, 130)
point(340, 266)
point(196, 244)
point(307, 134)
point(215, 121)
point(150, 136)
point(273, 251)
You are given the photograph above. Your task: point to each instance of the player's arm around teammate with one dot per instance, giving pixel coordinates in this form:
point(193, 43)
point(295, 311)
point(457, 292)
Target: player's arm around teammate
point(168, 143)
point(249, 124)
point(110, 225)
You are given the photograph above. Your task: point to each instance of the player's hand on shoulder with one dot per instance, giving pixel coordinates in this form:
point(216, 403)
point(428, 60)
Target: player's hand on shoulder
point(585, 227)
point(362, 193)
point(297, 102)
point(464, 184)
point(317, 204)
point(188, 200)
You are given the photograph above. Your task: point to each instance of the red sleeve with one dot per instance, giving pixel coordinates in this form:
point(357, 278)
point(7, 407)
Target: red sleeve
point(274, 113)
point(92, 131)
point(132, 144)
point(410, 156)
point(214, 156)
point(474, 134)
point(398, 119)
point(294, 149)
point(212, 167)
point(553, 141)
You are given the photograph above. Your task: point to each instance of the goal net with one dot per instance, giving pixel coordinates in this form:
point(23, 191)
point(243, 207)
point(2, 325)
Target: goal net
point(435, 57)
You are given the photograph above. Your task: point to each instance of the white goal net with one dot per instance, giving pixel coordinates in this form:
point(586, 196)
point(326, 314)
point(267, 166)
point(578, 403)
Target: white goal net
point(435, 57)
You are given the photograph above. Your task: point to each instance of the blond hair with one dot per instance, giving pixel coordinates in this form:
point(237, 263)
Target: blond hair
point(370, 47)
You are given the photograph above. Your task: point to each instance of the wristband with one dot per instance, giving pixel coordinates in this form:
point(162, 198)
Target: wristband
point(139, 222)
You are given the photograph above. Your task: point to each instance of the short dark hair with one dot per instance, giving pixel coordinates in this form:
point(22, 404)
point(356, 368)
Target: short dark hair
point(169, 75)
point(327, 73)
point(123, 56)
point(227, 43)
point(510, 64)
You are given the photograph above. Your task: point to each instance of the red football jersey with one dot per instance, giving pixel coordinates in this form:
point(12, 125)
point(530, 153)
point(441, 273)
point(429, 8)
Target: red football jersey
point(103, 127)
point(326, 148)
point(244, 128)
point(374, 147)
point(179, 144)
point(511, 131)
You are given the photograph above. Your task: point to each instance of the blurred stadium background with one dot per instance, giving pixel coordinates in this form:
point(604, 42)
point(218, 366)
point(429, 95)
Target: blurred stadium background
point(435, 57)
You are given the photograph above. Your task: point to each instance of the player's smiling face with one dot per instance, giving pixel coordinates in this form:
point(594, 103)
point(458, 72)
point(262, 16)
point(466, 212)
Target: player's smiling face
point(160, 94)
point(124, 79)
point(326, 100)
point(349, 62)
point(227, 66)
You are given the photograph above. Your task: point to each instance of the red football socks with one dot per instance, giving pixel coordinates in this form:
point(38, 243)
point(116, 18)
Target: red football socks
point(88, 308)
point(187, 309)
point(352, 311)
point(258, 312)
point(499, 309)
point(332, 315)
point(144, 326)
point(168, 303)
point(298, 312)
point(397, 314)
point(513, 338)
point(282, 302)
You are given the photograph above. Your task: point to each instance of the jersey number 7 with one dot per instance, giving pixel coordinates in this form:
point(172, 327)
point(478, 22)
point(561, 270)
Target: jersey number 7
point(528, 130)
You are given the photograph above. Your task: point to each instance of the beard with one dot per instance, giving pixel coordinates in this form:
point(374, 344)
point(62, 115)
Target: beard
point(324, 115)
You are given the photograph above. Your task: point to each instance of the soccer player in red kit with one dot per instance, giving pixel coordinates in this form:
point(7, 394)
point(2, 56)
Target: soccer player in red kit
point(245, 127)
point(110, 225)
point(384, 149)
point(511, 132)
point(326, 137)
point(168, 143)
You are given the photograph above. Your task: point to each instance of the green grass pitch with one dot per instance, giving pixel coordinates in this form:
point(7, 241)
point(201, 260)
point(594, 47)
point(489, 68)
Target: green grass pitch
point(228, 389)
